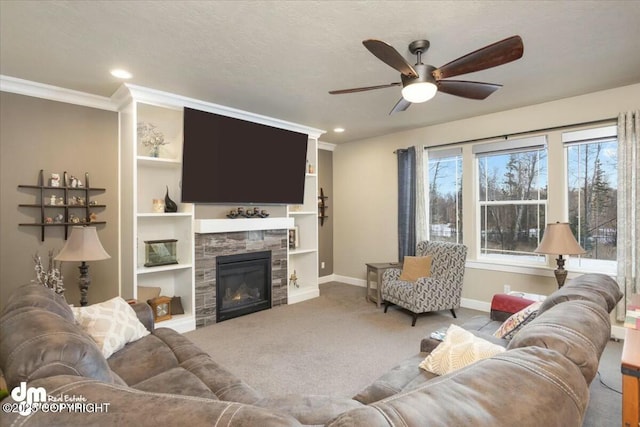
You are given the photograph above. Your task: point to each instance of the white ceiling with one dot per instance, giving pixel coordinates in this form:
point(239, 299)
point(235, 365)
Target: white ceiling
point(280, 58)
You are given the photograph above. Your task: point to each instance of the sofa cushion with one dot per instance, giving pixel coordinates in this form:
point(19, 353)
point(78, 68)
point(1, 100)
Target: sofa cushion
point(112, 324)
point(310, 409)
point(598, 288)
point(142, 359)
point(415, 267)
point(516, 321)
point(37, 343)
point(459, 349)
point(573, 329)
point(176, 381)
point(396, 380)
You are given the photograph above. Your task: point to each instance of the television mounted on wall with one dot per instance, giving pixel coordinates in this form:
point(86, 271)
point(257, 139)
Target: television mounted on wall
point(227, 160)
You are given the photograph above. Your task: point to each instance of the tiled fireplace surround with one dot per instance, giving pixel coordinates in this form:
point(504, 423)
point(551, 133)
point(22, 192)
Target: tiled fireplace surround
point(208, 246)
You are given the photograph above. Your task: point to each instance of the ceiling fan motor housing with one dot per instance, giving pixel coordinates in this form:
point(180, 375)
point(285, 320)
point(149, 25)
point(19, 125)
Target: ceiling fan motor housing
point(425, 75)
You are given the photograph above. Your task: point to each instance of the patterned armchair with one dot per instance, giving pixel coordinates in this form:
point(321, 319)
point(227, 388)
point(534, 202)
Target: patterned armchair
point(441, 291)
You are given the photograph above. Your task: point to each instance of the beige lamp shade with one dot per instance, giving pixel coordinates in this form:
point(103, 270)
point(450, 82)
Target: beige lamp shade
point(559, 240)
point(83, 245)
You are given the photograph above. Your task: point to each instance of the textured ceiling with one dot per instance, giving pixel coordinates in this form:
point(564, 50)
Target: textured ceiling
point(280, 58)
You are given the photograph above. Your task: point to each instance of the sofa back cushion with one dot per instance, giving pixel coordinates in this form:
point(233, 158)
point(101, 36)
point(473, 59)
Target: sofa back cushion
point(34, 295)
point(577, 329)
point(598, 288)
point(40, 339)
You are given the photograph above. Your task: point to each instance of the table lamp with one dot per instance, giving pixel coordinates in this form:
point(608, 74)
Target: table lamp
point(559, 240)
point(83, 245)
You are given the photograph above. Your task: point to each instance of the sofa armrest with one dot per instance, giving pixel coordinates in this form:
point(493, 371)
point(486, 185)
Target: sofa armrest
point(145, 314)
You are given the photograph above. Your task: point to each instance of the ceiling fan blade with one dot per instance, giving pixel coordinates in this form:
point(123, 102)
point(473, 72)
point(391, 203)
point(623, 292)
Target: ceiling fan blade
point(473, 90)
point(387, 54)
point(495, 54)
point(362, 89)
point(401, 105)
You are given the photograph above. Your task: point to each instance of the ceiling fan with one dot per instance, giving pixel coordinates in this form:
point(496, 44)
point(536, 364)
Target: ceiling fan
point(420, 82)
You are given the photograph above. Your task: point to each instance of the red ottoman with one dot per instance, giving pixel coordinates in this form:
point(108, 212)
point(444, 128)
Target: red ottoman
point(504, 305)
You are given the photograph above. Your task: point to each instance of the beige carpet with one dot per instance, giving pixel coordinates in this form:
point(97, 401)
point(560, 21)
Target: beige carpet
point(334, 344)
point(338, 344)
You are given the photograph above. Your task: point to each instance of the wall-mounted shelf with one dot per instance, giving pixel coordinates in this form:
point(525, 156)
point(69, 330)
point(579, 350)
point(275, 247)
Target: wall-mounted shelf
point(66, 195)
point(322, 207)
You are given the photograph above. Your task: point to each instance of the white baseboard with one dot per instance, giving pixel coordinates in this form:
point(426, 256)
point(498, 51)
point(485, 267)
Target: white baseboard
point(475, 304)
point(617, 332)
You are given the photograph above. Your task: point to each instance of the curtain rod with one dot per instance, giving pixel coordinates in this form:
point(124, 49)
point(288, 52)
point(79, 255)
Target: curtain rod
point(507, 136)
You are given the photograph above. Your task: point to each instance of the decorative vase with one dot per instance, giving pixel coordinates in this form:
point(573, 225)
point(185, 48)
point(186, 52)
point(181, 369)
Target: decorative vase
point(155, 151)
point(169, 205)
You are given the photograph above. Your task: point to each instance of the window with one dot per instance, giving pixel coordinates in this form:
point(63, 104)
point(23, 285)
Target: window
point(445, 195)
point(512, 198)
point(592, 179)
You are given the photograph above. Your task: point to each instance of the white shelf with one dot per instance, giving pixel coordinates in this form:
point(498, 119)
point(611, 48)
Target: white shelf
point(158, 161)
point(163, 215)
point(301, 251)
point(303, 213)
point(161, 268)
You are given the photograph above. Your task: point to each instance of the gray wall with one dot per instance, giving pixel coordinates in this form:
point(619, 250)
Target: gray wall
point(325, 233)
point(40, 134)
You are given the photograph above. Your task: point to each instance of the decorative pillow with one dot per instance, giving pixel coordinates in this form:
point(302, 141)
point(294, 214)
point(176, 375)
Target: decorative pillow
point(517, 321)
point(459, 349)
point(112, 324)
point(415, 267)
point(145, 293)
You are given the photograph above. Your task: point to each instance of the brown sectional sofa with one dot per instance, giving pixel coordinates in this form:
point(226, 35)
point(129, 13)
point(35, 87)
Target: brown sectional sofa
point(164, 378)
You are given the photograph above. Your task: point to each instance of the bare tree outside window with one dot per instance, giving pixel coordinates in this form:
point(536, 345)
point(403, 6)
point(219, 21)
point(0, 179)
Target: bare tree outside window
point(445, 199)
point(592, 199)
point(512, 197)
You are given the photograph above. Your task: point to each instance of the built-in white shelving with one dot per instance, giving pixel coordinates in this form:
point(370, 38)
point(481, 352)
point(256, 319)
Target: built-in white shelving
point(144, 178)
point(303, 259)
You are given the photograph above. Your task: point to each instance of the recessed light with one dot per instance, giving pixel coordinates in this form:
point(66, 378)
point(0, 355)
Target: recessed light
point(338, 130)
point(121, 74)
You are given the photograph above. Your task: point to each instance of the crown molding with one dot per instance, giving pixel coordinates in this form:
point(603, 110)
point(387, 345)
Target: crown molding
point(54, 93)
point(327, 146)
point(128, 93)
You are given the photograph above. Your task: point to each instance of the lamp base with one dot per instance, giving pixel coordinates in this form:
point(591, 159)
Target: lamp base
point(560, 272)
point(84, 283)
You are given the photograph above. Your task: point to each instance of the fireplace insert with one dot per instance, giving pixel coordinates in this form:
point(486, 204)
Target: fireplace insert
point(243, 284)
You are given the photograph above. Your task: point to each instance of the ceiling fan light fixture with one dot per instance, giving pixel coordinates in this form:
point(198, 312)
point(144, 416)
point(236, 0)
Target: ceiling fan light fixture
point(419, 92)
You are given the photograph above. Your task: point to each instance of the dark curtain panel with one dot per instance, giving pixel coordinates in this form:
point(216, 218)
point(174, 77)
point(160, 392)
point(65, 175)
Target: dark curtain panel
point(406, 202)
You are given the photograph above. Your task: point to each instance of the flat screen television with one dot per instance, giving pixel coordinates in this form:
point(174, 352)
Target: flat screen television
point(232, 161)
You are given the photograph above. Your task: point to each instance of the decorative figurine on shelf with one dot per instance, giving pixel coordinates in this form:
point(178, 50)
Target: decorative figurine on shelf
point(48, 220)
point(93, 217)
point(169, 205)
point(293, 279)
point(158, 205)
point(55, 180)
point(52, 199)
point(74, 219)
point(151, 137)
point(58, 219)
point(73, 182)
